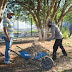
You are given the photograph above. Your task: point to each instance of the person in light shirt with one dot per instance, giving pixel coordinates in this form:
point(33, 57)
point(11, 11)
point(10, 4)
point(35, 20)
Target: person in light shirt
point(8, 35)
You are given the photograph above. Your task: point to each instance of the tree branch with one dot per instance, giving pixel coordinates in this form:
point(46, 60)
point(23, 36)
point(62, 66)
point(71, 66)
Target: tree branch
point(4, 3)
point(58, 4)
point(50, 9)
point(55, 19)
point(64, 6)
point(55, 10)
point(61, 17)
point(52, 16)
point(29, 11)
point(38, 11)
point(44, 14)
point(68, 11)
point(47, 2)
point(1, 2)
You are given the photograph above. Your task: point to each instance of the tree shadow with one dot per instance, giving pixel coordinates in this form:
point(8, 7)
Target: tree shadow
point(18, 42)
point(68, 70)
point(21, 64)
point(25, 41)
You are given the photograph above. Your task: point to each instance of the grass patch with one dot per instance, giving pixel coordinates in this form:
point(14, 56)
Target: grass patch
point(17, 31)
point(68, 44)
point(69, 56)
point(68, 70)
point(65, 32)
point(59, 71)
point(33, 31)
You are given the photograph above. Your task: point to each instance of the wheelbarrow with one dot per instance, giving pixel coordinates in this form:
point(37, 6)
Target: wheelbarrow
point(46, 62)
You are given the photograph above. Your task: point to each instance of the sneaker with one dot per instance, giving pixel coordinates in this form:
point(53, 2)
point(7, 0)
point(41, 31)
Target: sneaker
point(7, 62)
point(53, 58)
point(10, 59)
point(64, 53)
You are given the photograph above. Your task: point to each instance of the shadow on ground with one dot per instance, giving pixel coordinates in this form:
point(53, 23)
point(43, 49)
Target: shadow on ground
point(70, 70)
point(19, 42)
point(21, 64)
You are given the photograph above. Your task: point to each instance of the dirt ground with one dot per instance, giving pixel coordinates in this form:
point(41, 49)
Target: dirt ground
point(62, 64)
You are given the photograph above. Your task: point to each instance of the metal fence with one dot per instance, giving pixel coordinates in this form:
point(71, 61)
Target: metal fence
point(28, 32)
point(22, 33)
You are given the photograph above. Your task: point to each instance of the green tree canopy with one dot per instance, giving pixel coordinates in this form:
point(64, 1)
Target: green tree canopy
point(68, 17)
point(42, 11)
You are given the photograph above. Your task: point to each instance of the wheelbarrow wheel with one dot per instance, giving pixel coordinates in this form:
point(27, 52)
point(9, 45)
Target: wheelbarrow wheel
point(47, 63)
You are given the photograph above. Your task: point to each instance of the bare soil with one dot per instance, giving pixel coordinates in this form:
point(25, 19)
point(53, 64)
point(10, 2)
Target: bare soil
point(20, 64)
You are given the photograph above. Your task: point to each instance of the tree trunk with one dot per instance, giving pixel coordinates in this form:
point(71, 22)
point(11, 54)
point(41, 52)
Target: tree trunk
point(2, 8)
point(43, 10)
point(40, 31)
point(61, 25)
point(45, 35)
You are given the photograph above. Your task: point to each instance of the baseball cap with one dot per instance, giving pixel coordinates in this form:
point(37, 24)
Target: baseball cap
point(10, 12)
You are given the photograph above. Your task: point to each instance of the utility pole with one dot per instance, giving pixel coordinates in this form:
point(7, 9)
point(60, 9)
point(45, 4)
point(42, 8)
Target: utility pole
point(31, 26)
point(17, 26)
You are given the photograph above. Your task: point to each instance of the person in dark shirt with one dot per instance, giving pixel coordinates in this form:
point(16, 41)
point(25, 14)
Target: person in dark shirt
point(56, 33)
point(70, 30)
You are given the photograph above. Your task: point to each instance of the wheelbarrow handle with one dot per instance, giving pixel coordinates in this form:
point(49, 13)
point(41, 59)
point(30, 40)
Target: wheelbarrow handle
point(2, 54)
point(18, 47)
point(16, 53)
point(11, 51)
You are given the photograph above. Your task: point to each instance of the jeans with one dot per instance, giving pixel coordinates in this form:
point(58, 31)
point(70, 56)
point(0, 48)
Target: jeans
point(57, 43)
point(8, 47)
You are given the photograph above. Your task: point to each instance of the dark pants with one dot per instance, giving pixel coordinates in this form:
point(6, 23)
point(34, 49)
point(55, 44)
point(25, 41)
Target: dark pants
point(57, 43)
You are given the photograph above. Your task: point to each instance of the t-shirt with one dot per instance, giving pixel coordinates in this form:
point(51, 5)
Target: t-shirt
point(7, 23)
point(56, 33)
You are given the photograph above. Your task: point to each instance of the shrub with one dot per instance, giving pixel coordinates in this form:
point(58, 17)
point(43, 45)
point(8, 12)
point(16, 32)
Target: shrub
point(65, 32)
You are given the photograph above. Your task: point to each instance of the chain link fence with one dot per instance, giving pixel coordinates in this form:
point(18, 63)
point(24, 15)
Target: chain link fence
point(22, 33)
